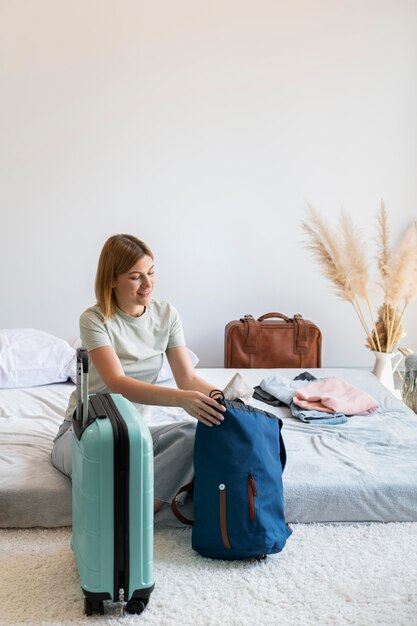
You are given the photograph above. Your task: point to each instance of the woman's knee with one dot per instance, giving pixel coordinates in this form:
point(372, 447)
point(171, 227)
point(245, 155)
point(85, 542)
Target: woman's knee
point(61, 453)
point(184, 437)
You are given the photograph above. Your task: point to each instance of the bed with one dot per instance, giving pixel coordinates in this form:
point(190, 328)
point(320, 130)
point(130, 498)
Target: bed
point(364, 470)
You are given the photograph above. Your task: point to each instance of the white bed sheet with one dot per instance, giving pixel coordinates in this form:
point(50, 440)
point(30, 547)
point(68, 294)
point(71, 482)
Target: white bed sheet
point(364, 470)
point(32, 491)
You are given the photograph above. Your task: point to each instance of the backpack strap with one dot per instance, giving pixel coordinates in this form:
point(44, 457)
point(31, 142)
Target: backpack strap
point(216, 394)
point(189, 487)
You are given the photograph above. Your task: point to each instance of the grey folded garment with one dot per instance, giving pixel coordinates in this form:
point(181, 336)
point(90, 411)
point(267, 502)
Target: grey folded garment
point(281, 387)
point(286, 397)
point(268, 398)
point(305, 376)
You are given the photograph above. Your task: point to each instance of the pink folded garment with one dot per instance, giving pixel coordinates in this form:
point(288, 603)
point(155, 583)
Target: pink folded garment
point(334, 395)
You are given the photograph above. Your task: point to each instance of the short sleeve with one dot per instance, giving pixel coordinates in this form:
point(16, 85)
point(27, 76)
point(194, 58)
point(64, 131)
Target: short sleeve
point(176, 333)
point(93, 331)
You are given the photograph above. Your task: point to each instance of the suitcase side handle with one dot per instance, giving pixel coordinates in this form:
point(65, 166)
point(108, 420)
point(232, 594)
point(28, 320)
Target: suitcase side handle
point(82, 386)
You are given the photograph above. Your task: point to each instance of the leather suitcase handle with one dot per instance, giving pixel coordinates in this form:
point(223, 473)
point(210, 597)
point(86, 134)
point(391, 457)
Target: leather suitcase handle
point(268, 315)
point(252, 331)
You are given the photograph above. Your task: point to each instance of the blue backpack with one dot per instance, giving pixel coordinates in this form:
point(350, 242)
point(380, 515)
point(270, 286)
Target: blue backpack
point(238, 493)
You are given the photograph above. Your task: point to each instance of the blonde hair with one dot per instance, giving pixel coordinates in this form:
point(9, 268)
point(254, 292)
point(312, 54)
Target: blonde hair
point(119, 254)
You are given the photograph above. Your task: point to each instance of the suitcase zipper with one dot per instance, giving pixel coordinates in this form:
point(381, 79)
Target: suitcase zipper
point(252, 492)
point(121, 497)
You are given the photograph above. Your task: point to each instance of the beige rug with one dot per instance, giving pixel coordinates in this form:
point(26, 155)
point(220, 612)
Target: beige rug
point(361, 575)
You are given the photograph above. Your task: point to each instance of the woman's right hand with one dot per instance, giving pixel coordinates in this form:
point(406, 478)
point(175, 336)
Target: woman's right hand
point(207, 410)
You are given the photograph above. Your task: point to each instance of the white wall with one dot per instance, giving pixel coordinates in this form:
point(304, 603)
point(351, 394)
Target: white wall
point(203, 128)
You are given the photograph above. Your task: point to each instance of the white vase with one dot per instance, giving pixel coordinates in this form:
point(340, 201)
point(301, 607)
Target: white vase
point(385, 365)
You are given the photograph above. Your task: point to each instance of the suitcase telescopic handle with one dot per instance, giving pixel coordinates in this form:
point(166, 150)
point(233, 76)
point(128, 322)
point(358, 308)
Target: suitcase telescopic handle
point(82, 386)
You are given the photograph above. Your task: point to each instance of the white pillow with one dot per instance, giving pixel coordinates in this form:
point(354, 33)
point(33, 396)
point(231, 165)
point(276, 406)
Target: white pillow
point(30, 357)
point(75, 342)
point(165, 373)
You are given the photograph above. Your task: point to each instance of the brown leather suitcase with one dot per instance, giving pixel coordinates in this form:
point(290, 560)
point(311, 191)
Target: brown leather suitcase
point(268, 342)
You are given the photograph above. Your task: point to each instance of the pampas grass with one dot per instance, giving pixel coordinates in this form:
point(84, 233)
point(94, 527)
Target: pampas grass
point(341, 255)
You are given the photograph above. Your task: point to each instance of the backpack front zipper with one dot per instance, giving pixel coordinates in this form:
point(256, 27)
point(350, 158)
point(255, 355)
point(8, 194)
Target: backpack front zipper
point(252, 492)
point(223, 519)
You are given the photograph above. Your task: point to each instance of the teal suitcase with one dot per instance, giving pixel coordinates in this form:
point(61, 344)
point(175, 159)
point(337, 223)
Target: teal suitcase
point(112, 499)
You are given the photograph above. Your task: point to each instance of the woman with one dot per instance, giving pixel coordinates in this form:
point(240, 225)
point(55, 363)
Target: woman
point(126, 334)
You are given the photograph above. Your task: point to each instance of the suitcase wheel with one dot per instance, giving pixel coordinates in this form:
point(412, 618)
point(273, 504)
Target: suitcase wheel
point(137, 605)
point(89, 608)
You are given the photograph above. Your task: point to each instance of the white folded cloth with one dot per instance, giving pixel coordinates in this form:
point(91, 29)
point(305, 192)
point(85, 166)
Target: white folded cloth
point(237, 389)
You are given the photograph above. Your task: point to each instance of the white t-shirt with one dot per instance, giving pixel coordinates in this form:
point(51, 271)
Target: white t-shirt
point(139, 342)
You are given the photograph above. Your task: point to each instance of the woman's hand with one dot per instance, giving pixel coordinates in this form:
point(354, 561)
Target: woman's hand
point(207, 410)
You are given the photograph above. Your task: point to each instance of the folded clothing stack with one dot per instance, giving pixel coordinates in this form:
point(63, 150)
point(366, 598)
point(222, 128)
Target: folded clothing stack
point(321, 401)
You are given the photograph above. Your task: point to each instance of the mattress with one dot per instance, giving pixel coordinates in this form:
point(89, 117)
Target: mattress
point(32, 491)
point(363, 470)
